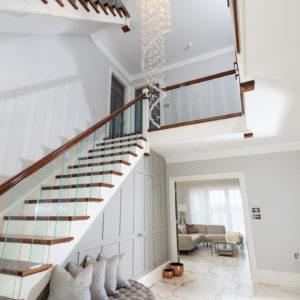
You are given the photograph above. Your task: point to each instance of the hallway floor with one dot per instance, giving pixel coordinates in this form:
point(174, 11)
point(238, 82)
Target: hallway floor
point(218, 278)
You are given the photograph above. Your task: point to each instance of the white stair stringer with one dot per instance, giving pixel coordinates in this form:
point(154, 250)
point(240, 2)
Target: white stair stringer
point(52, 8)
point(30, 287)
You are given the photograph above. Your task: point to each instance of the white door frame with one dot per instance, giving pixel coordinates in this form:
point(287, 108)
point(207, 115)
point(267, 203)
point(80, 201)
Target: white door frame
point(172, 219)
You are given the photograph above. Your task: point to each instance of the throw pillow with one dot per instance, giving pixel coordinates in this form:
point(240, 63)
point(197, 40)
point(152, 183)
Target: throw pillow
point(191, 228)
point(63, 286)
point(97, 287)
point(110, 274)
point(121, 281)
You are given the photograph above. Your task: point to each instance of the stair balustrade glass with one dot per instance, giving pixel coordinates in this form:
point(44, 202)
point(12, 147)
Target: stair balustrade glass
point(46, 208)
point(204, 100)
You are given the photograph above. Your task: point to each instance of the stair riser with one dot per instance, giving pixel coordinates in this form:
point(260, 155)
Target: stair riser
point(120, 143)
point(45, 228)
point(50, 209)
point(17, 251)
point(126, 157)
point(11, 287)
point(115, 167)
point(116, 150)
point(87, 179)
point(119, 139)
point(95, 192)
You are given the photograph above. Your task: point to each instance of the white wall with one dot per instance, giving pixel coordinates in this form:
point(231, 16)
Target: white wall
point(196, 69)
point(272, 183)
point(51, 89)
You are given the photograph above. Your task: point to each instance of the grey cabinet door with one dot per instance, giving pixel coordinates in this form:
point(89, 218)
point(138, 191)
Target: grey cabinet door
point(127, 199)
point(157, 204)
point(139, 203)
point(139, 256)
point(149, 205)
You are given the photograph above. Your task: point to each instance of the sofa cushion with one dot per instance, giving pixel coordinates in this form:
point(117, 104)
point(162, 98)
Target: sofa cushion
point(215, 237)
point(200, 228)
point(182, 227)
point(215, 229)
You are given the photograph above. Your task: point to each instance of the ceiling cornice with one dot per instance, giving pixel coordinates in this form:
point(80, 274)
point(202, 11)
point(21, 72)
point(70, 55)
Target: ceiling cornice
point(254, 150)
point(169, 67)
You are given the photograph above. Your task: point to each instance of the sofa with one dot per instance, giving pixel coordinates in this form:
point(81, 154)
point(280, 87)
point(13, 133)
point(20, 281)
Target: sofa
point(189, 236)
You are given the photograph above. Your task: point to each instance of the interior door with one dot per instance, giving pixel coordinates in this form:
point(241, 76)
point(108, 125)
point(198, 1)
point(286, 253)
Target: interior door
point(117, 96)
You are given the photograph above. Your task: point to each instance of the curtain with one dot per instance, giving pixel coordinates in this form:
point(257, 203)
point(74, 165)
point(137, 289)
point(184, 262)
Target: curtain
point(213, 202)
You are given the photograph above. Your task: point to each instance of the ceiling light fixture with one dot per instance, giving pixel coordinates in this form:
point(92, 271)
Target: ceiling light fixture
point(156, 22)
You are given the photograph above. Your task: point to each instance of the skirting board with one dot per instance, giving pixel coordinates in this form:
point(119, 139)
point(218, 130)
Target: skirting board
point(277, 278)
point(154, 275)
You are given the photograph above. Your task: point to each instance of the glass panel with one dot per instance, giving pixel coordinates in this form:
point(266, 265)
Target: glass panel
point(213, 98)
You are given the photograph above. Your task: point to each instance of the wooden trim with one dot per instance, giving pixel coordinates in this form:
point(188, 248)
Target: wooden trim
point(47, 218)
point(111, 10)
point(248, 135)
point(73, 4)
point(197, 121)
point(247, 86)
point(127, 140)
point(147, 154)
point(236, 26)
point(45, 1)
point(187, 83)
point(127, 163)
point(70, 200)
point(50, 157)
point(117, 10)
point(35, 239)
point(242, 103)
point(112, 172)
point(102, 7)
point(94, 6)
point(75, 186)
point(107, 155)
point(60, 3)
point(125, 28)
point(84, 5)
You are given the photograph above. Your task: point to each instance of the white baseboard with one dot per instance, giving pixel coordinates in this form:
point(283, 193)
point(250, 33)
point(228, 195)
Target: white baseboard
point(277, 278)
point(154, 275)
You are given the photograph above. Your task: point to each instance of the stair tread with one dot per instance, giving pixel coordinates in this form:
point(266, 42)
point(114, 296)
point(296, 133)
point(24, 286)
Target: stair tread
point(47, 218)
point(22, 268)
point(66, 200)
point(90, 174)
point(126, 140)
point(122, 135)
point(125, 162)
point(37, 239)
point(107, 155)
point(74, 186)
point(119, 147)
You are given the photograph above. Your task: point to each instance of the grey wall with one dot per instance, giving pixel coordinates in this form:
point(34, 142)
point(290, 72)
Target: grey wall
point(272, 183)
point(52, 88)
point(134, 222)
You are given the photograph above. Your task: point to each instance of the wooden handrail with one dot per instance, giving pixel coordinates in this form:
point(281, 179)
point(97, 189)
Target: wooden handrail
point(56, 153)
point(187, 83)
point(236, 26)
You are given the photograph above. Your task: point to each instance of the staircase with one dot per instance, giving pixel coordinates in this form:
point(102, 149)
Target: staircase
point(43, 224)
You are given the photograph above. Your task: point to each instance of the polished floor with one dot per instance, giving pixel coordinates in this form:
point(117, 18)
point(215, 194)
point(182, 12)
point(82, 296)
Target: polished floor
point(215, 277)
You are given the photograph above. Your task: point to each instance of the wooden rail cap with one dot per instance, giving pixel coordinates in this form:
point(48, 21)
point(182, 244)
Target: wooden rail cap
point(56, 153)
point(247, 86)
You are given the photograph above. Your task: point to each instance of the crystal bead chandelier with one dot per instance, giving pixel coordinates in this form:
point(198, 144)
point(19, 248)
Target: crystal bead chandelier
point(156, 22)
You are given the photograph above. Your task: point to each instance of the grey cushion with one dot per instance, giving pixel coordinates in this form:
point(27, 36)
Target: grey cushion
point(63, 286)
point(110, 274)
point(137, 291)
point(121, 280)
point(97, 288)
point(215, 229)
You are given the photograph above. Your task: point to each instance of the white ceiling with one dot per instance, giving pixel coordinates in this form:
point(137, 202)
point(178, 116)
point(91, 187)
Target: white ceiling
point(273, 110)
point(205, 23)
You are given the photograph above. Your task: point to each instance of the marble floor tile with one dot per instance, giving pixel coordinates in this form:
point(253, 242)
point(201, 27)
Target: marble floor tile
point(215, 277)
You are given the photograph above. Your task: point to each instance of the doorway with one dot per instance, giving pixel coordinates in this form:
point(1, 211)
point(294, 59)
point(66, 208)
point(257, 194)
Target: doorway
point(117, 99)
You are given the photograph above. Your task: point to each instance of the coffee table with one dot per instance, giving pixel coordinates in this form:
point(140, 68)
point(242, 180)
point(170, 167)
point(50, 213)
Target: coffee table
point(224, 248)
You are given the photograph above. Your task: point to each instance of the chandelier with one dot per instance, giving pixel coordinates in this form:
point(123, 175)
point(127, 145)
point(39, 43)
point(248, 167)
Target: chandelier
point(156, 22)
